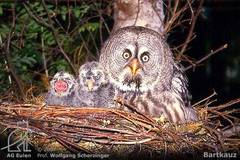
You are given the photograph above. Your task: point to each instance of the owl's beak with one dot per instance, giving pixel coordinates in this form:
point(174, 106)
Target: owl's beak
point(134, 66)
point(90, 84)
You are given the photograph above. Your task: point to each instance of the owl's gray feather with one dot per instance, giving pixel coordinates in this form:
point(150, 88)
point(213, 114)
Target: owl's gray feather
point(101, 93)
point(141, 66)
point(52, 99)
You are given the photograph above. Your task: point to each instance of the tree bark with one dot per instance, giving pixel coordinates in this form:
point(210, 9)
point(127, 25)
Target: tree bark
point(145, 13)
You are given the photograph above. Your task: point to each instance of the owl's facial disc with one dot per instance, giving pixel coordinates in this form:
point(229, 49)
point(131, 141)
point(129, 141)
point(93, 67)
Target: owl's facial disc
point(135, 74)
point(92, 80)
point(63, 84)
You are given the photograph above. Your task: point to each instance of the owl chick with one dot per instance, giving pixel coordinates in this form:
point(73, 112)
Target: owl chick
point(62, 90)
point(141, 66)
point(94, 89)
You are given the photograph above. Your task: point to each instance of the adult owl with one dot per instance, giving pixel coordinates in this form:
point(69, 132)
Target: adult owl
point(62, 90)
point(94, 89)
point(141, 66)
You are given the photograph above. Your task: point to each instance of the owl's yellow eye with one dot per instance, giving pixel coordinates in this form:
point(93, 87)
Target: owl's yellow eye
point(145, 57)
point(127, 54)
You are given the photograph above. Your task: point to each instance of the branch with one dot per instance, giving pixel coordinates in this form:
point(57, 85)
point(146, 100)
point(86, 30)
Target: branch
point(73, 126)
point(43, 54)
point(132, 108)
point(119, 143)
point(175, 14)
point(190, 33)
point(55, 35)
point(230, 103)
point(206, 57)
point(39, 20)
point(8, 57)
point(205, 99)
point(101, 18)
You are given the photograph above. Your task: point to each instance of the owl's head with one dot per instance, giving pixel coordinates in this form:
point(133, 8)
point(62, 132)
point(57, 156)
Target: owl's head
point(136, 58)
point(92, 76)
point(62, 84)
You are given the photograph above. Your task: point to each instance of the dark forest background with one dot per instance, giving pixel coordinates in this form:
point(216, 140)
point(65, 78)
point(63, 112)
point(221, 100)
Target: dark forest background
point(80, 28)
point(218, 24)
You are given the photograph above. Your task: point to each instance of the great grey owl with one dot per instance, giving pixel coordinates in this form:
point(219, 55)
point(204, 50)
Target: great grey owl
point(141, 66)
point(62, 90)
point(94, 89)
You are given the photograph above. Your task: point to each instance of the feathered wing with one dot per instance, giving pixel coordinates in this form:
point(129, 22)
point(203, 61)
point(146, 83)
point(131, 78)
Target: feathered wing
point(179, 84)
point(105, 96)
point(179, 87)
point(47, 98)
point(172, 102)
point(81, 98)
point(156, 104)
point(52, 99)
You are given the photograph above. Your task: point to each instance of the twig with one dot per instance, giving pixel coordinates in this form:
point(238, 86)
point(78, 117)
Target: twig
point(6, 64)
point(217, 134)
point(226, 117)
point(101, 18)
point(94, 43)
point(190, 33)
point(100, 128)
point(133, 109)
point(69, 145)
point(118, 143)
point(205, 99)
point(56, 37)
point(207, 56)
point(176, 16)
point(8, 57)
point(85, 45)
point(39, 20)
point(43, 54)
point(127, 118)
point(69, 17)
point(72, 127)
point(232, 102)
point(101, 32)
point(50, 26)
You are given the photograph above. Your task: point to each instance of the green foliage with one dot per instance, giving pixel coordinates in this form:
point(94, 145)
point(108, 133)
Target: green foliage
point(91, 27)
point(59, 65)
point(34, 44)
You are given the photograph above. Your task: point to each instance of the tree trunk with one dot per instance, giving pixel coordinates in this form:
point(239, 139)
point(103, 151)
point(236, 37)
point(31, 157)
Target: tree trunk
point(146, 13)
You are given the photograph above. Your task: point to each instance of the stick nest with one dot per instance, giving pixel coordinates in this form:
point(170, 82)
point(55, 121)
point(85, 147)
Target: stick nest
point(117, 132)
